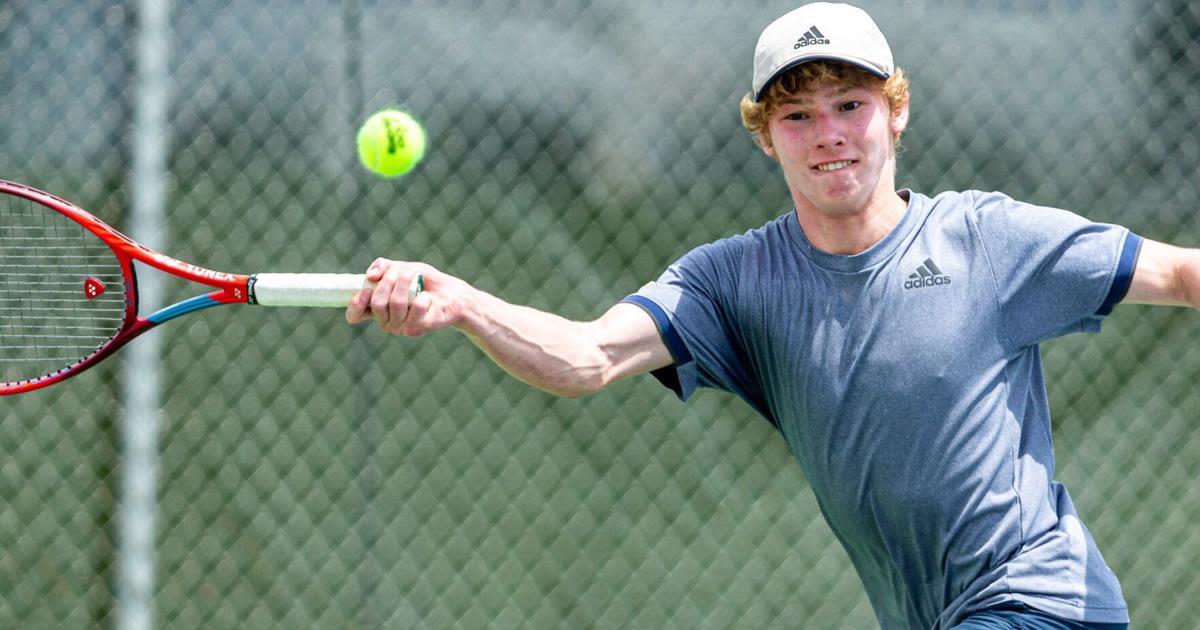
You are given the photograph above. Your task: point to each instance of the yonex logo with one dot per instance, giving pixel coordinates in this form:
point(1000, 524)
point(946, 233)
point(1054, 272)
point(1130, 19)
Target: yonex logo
point(92, 287)
point(811, 37)
point(927, 275)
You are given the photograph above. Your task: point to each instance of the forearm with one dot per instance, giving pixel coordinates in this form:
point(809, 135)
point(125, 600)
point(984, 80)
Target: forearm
point(553, 353)
point(546, 351)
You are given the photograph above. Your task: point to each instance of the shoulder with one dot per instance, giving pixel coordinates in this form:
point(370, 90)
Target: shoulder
point(996, 214)
point(956, 209)
point(970, 202)
point(738, 248)
point(974, 201)
point(721, 268)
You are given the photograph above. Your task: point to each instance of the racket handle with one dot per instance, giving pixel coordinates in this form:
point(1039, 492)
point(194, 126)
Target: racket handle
point(306, 289)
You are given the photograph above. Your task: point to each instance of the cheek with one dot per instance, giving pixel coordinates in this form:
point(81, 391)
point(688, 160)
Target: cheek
point(786, 142)
point(882, 129)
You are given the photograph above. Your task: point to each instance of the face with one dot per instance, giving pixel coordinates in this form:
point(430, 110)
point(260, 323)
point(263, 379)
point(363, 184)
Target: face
point(835, 147)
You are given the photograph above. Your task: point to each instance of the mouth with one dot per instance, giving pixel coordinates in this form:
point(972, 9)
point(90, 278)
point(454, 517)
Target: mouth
point(834, 166)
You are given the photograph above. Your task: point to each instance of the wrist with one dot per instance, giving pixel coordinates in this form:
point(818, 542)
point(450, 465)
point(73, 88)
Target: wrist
point(471, 312)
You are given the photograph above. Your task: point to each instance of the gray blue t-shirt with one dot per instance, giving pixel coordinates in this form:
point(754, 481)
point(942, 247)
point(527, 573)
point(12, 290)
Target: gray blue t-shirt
point(907, 381)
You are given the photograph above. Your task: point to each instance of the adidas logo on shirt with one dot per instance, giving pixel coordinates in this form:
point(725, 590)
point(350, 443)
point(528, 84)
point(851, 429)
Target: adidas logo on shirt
point(927, 275)
point(811, 37)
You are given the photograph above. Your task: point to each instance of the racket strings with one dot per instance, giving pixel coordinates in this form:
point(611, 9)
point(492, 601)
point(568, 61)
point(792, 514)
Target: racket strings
point(62, 294)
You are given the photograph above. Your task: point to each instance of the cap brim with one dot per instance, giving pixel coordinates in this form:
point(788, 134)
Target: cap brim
point(857, 63)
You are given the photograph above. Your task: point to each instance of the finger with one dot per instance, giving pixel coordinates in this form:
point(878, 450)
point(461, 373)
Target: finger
point(377, 269)
point(398, 303)
point(416, 287)
point(417, 323)
point(381, 297)
point(359, 308)
point(356, 310)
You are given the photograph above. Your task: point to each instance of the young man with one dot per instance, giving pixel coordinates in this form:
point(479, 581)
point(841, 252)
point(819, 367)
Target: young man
point(892, 338)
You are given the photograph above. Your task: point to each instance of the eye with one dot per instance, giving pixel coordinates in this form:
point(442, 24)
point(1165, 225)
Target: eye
point(850, 106)
point(795, 116)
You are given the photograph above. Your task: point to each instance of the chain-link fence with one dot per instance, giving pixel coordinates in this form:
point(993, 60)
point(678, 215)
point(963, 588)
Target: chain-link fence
point(311, 474)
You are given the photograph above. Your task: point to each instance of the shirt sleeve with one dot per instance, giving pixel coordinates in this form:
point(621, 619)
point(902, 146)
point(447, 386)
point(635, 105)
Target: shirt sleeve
point(692, 303)
point(1055, 272)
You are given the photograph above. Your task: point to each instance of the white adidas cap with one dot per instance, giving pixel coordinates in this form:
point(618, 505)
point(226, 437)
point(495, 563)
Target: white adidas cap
point(821, 31)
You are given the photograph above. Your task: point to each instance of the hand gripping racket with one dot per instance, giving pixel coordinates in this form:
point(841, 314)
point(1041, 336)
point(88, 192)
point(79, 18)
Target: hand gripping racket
point(68, 293)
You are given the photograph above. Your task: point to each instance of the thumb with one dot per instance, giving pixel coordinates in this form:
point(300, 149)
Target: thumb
point(377, 269)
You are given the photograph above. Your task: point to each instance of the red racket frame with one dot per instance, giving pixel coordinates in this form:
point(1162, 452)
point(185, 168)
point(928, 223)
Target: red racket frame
point(230, 288)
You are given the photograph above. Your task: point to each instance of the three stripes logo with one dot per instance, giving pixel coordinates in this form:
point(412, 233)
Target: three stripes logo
point(927, 275)
point(811, 37)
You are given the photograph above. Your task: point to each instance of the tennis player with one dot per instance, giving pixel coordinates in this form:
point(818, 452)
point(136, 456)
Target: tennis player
point(891, 337)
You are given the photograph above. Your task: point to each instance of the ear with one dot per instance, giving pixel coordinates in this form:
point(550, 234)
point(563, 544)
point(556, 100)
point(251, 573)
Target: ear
point(764, 143)
point(899, 121)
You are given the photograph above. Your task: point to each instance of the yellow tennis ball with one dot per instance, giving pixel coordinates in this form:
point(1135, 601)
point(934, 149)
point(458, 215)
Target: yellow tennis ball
point(391, 143)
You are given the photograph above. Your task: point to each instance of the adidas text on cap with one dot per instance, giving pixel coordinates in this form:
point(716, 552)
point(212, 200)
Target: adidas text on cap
point(821, 31)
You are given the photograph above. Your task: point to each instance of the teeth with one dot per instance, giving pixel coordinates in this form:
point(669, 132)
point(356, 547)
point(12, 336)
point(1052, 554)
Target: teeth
point(833, 166)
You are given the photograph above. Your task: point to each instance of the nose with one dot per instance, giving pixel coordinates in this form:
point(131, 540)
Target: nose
point(829, 132)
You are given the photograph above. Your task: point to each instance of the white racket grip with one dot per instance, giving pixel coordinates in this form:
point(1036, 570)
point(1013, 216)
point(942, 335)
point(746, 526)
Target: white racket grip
point(332, 290)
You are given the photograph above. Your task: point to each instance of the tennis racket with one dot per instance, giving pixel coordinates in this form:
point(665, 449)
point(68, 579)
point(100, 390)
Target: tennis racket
point(68, 292)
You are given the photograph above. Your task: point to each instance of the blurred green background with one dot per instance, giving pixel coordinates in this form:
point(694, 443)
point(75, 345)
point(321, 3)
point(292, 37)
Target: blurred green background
point(312, 474)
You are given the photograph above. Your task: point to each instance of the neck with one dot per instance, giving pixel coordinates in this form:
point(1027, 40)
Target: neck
point(851, 233)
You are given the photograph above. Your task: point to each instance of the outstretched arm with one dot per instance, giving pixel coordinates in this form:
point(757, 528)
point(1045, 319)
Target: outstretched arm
point(552, 353)
point(1165, 274)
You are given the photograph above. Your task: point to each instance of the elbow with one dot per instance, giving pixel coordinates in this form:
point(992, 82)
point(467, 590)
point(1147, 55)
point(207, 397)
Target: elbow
point(1188, 281)
point(572, 392)
point(578, 387)
point(589, 373)
point(579, 368)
